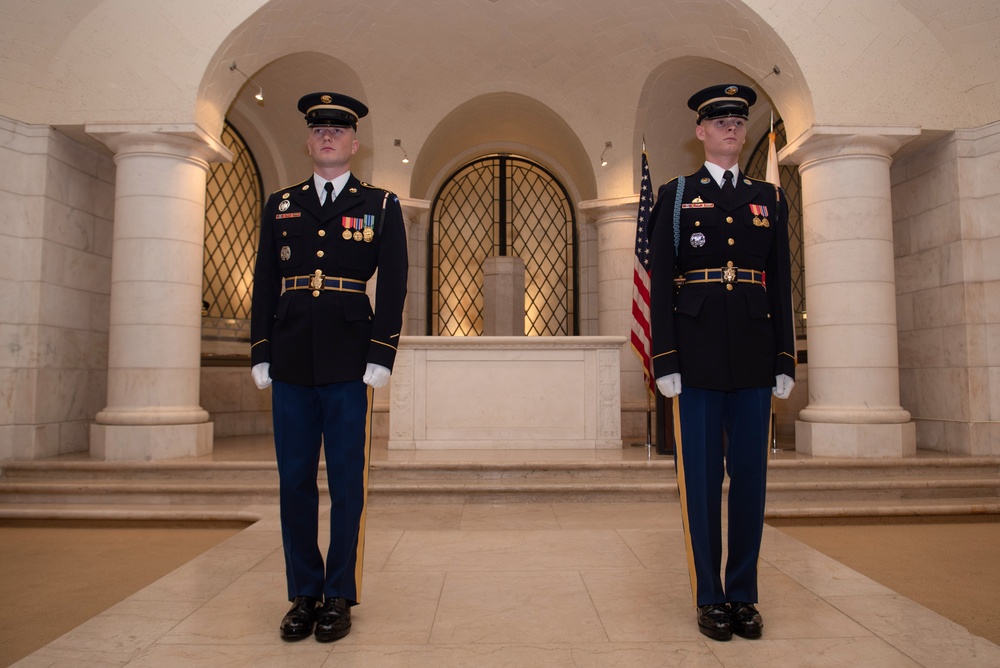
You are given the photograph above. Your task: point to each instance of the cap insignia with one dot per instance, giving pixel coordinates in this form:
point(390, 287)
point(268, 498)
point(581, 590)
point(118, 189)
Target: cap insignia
point(326, 99)
point(732, 90)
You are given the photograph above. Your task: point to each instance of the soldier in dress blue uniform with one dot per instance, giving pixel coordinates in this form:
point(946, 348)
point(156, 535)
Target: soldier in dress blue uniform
point(315, 334)
point(723, 343)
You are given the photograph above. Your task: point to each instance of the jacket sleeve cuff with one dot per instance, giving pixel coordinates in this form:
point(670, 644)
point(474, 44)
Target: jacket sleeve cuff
point(260, 352)
point(785, 365)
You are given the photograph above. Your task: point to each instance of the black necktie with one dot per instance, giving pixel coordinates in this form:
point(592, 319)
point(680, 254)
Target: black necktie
point(328, 202)
point(727, 184)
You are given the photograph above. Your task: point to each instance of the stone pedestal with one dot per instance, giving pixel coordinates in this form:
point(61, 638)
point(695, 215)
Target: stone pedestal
point(506, 392)
point(503, 296)
point(154, 356)
point(854, 407)
point(149, 443)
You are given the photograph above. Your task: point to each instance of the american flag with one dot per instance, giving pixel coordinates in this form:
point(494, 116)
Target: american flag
point(640, 280)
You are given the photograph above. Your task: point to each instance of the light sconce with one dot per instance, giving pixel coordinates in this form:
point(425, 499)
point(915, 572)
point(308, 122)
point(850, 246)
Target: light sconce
point(607, 145)
point(260, 89)
point(406, 160)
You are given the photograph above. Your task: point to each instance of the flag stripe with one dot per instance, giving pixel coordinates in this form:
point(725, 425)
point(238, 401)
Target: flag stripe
point(640, 336)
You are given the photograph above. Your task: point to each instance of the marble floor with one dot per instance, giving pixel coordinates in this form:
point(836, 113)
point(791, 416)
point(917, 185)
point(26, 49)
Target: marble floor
point(518, 584)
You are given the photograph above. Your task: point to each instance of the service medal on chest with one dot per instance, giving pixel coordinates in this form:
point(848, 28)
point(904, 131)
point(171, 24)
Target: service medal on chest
point(697, 240)
point(285, 254)
point(284, 205)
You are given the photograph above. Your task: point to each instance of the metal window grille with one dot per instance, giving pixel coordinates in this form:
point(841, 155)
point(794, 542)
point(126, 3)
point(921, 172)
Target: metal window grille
point(232, 211)
point(494, 206)
point(792, 184)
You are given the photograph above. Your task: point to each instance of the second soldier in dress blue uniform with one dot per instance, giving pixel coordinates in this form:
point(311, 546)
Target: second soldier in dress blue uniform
point(722, 344)
point(315, 334)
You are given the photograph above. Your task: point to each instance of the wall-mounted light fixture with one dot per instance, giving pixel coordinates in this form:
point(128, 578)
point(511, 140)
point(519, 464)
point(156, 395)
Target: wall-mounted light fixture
point(260, 89)
point(604, 161)
point(406, 160)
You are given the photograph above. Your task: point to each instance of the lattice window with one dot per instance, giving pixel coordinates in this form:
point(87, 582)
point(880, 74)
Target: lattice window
point(494, 206)
point(790, 181)
point(232, 211)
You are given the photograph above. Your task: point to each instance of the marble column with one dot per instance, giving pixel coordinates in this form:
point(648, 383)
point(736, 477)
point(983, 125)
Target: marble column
point(415, 216)
point(854, 408)
point(615, 221)
point(154, 356)
point(503, 296)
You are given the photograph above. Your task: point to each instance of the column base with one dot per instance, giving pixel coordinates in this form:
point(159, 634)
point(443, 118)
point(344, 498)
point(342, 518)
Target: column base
point(829, 439)
point(110, 442)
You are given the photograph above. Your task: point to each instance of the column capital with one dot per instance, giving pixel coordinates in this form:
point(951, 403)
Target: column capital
point(414, 210)
point(178, 140)
point(823, 142)
point(600, 211)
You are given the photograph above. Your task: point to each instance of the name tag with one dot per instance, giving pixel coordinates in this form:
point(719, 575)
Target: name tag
point(294, 214)
point(698, 205)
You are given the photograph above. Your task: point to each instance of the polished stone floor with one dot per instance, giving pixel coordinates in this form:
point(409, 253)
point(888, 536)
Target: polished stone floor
point(518, 584)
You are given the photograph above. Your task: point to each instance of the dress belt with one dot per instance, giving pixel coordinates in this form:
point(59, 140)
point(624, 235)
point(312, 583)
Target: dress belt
point(724, 275)
point(317, 282)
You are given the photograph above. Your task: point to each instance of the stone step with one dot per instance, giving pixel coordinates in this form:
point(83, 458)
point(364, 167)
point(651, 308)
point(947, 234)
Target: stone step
point(798, 485)
point(483, 490)
point(899, 508)
point(659, 469)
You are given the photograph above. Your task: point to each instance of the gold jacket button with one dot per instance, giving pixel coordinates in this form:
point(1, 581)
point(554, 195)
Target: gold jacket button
point(322, 233)
point(316, 293)
point(320, 253)
point(732, 242)
point(729, 219)
point(729, 286)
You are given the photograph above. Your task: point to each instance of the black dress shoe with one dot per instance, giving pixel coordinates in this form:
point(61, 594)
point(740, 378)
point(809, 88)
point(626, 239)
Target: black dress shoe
point(299, 621)
point(334, 620)
point(747, 622)
point(714, 621)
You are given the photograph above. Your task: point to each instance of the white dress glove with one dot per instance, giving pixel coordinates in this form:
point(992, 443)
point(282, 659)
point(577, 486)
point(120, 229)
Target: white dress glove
point(261, 374)
point(782, 386)
point(376, 375)
point(670, 385)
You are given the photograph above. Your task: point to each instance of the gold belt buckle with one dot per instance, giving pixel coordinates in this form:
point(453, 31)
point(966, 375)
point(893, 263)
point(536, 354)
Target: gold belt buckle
point(729, 275)
point(316, 280)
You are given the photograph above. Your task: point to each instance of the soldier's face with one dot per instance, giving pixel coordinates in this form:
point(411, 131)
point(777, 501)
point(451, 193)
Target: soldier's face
point(331, 146)
point(723, 139)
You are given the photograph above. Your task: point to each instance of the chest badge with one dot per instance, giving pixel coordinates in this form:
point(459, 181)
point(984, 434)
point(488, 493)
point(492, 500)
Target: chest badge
point(285, 254)
point(284, 205)
point(697, 240)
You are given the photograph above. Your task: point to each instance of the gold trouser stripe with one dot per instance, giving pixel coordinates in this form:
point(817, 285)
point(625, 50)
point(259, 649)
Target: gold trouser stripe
point(359, 556)
point(682, 489)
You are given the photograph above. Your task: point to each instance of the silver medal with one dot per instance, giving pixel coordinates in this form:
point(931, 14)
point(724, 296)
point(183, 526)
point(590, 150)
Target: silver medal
point(697, 240)
point(283, 206)
point(286, 253)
